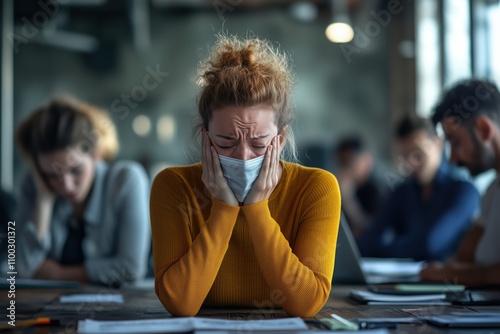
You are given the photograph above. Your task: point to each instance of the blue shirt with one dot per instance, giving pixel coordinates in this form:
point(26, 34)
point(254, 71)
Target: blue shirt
point(117, 230)
point(407, 226)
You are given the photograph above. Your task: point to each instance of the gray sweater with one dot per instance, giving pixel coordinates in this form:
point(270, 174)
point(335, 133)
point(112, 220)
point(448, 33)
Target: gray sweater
point(117, 228)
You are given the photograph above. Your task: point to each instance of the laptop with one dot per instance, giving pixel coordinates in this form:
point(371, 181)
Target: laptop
point(350, 268)
point(347, 257)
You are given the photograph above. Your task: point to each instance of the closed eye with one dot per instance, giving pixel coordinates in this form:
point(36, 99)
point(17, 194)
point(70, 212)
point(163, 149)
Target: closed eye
point(76, 170)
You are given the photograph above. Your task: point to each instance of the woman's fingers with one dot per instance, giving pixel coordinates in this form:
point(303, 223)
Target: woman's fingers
point(212, 176)
point(275, 163)
point(268, 175)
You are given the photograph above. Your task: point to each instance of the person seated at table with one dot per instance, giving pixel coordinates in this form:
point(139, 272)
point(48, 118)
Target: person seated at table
point(362, 190)
point(470, 115)
point(79, 218)
point(243, 227)
point(427, 214)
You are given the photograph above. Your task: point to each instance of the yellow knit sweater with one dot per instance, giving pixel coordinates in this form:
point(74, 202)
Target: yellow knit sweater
point(275, 253)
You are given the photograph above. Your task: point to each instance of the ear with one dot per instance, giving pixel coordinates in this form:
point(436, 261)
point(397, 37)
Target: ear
point(95, 154)
point(484, 128)
point(439, 142)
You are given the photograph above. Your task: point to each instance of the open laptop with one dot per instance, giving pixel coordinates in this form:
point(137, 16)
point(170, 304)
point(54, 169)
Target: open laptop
point(347, 257)
point(350, 268)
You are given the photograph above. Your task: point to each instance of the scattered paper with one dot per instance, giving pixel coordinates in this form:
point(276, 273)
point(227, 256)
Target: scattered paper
point(368, 331)
point(390, 267)
point(92, 298)
point(188, 324)
point(372, 298)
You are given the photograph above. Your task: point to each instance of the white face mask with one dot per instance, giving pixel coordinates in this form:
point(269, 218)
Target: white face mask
point(241, 174)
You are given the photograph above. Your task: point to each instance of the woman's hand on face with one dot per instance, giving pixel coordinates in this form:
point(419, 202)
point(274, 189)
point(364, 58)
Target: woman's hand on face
point(212, 175)
point(269, 176)
point(43, 191)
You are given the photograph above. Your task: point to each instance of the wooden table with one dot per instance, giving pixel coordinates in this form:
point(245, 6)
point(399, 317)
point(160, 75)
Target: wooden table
point(142, 303)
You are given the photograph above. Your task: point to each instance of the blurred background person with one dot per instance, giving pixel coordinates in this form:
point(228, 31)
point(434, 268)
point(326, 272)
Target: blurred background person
point(79, 218)
point(361, 187)
point(426, 215)
point(474, 135)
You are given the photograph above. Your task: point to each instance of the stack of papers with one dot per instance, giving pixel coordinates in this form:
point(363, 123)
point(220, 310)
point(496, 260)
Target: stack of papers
point(92, 298)
point(417, 288)
point(372, 298)
point(189, 324)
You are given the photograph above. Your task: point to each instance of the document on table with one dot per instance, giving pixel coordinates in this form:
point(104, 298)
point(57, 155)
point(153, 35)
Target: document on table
point(391, 267)
point(92, 298)
point(368, 331)
point(372, 298)
point(188, 324)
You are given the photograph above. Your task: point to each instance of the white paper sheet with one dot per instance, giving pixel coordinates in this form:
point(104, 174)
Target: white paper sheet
point(187, 324)
point(391, 267)
point(372, 298)
point(92, 298)
point(379, 297)
point(367, 331)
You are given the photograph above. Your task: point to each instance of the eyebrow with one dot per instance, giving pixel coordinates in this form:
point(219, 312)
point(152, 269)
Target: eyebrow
point(233, 138)
point(55, 174)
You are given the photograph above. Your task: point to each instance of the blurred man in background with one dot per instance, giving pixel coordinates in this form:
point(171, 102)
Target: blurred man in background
point(429, 212)
point(362, 191)
point(470, 116)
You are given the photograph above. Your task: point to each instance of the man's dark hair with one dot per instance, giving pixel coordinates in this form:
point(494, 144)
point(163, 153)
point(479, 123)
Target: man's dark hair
point(411, 124)
point(349, 143)
point(467, 100)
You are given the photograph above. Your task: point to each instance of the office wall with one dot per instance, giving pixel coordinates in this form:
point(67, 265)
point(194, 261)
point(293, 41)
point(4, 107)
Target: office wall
point(333, 96)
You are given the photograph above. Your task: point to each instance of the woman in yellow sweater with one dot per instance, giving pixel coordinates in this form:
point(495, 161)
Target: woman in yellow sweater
point(243, 228)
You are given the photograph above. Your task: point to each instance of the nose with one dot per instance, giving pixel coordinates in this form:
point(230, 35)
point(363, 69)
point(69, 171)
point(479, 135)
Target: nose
point(244, 153)
point(68, 183)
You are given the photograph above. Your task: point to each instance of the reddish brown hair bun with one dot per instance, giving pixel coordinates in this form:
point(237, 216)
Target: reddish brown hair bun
point(247, 72)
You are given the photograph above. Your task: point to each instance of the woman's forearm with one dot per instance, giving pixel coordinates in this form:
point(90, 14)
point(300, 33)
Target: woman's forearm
point(42, 215)
point(52, 270)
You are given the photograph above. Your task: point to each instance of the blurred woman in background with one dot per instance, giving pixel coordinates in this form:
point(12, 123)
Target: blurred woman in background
point(79, 218)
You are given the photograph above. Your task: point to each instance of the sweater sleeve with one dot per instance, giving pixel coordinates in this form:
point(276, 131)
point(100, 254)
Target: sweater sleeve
point(31, 252)
point(186, 266)
point(299, 278)
point(129, 185)
point(439, 236)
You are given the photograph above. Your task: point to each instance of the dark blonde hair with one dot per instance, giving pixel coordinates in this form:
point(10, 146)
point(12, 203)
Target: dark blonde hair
point(65, 122)
point(246, 73)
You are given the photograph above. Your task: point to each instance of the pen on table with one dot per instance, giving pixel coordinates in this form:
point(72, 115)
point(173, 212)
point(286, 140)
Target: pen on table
point(374, 325)
point(32, 322)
